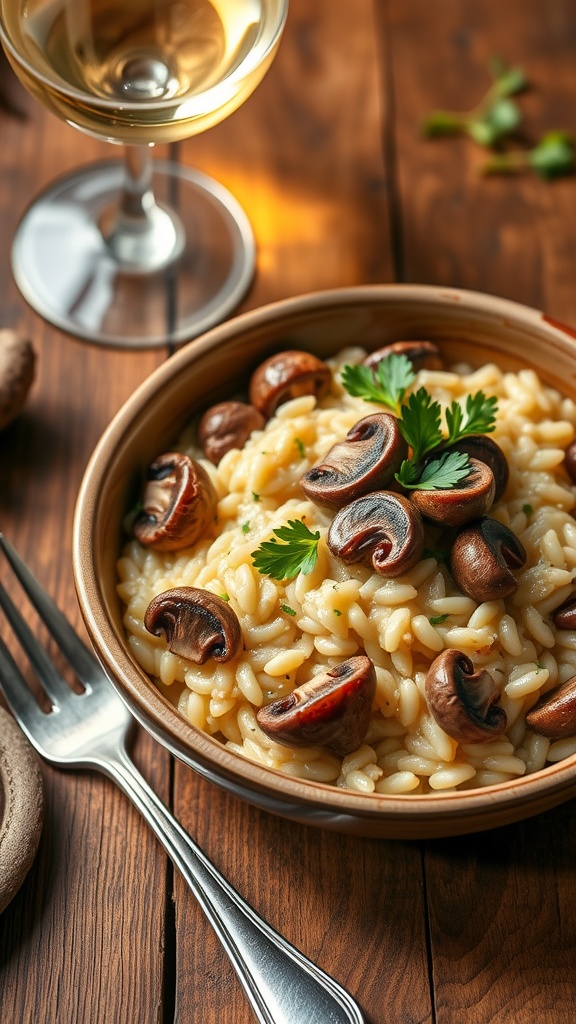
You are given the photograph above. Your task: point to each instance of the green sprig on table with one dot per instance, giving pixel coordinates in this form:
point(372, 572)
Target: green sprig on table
point(495, 120)
point(495, 116)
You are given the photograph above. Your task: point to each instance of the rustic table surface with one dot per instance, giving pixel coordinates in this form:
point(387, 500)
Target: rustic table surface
point(341, 188)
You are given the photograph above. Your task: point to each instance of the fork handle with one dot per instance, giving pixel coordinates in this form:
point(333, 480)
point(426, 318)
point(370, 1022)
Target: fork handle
point(283, 986)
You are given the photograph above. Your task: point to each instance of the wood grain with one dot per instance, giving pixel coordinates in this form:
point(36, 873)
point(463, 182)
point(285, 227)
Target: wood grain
point(327, 159)
point(71, 938)
point(502, 940)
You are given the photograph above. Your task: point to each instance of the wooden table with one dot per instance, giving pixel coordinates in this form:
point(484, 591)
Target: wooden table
point(328, 160)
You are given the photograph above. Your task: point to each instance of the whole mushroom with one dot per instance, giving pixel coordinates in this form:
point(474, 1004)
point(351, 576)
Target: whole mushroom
point(463, 701)
point(554, 715)
point(424, 355)
point(483, 557)
point(372, 452)
point(382, 529)
point(198, 625)
point(470, 498)
point(17, 367)
point(178, 504)
point(287, 375)
point(484, 449)
point(332, 710)
point(225, 426)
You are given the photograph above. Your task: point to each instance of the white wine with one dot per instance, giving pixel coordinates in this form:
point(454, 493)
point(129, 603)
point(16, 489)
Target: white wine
point(141, 71)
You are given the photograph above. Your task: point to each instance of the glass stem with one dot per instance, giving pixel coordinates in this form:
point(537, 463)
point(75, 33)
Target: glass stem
point(141, 235)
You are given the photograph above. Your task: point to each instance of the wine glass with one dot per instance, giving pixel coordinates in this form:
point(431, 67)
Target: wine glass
point(137, 253)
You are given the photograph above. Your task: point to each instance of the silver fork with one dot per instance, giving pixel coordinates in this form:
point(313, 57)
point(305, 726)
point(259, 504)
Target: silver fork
point(88, 730)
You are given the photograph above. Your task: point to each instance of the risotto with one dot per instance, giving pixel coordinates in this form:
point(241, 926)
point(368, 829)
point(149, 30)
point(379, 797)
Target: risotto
point(294, 630)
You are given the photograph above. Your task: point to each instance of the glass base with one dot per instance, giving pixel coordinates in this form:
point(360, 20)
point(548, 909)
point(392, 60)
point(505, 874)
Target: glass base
point(68, 274)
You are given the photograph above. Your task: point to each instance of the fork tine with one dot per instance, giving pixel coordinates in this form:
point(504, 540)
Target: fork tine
point(81, 659)
point(55, 686)
point(19, 697)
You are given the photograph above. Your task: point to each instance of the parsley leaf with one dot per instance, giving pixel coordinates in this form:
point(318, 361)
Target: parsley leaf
point(553, 156)
point(441, 473)
point(436, 620)
point(386, 383)
point(494, 117)
point(420, 423)
point(296, 555)
point(479, 417)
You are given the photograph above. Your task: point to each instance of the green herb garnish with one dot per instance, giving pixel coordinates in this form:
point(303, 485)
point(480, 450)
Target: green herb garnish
point(553, 156)
point(386, 383)
point(297, 554)
point(246, 527)
point(436, 620)
point(420, 421)
point(337, 612)
point(527, 510)
point(438, 474)
point(495, 116)
point(225, 597)
point(479, 417)
point(420, 425)
point(287, 609)
point(255, 497)
point(300, 447)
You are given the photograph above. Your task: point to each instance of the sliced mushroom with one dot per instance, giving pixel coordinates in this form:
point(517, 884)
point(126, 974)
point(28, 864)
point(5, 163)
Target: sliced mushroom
point(483, 557)
point(225, 426)
point(565, 616)
point(484, 449)
point(468, 499)
point(372, 452)
point(463, 701)
point(424, 355)
point(178, 504)
point(554, 715)
point(382, 529)
point(287, 375)
point(331, 710)
point(197, 624)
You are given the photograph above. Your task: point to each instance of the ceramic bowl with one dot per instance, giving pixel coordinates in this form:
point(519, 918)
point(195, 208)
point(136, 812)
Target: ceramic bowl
point(471, 325)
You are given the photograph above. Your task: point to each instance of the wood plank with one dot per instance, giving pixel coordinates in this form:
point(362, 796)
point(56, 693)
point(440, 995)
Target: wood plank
point(502, 942)
point(304, 157)
point(82, 940)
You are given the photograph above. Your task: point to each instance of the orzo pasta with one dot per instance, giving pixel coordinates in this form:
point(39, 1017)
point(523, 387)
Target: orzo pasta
point(293, 630)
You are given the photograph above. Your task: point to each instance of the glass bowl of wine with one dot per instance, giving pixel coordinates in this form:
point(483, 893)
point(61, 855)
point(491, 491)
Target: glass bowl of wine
point(135, 252)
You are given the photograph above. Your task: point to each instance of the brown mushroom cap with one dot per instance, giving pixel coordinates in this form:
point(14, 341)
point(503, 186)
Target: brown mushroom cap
point(179, 502)
point(424, 355)
point(197, 624)
point(482, 558)
point(382, 529)
point(17, 366)
point(554, 715)
point(462, 701)
point(484, 449)
point(570, 461)
point(225, 426)
point(467, 500)
point(565, 616)
point(372, 452)
point(331, 710)
point(287, 375)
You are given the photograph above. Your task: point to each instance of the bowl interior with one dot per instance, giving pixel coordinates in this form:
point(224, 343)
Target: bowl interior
point(470, 327)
